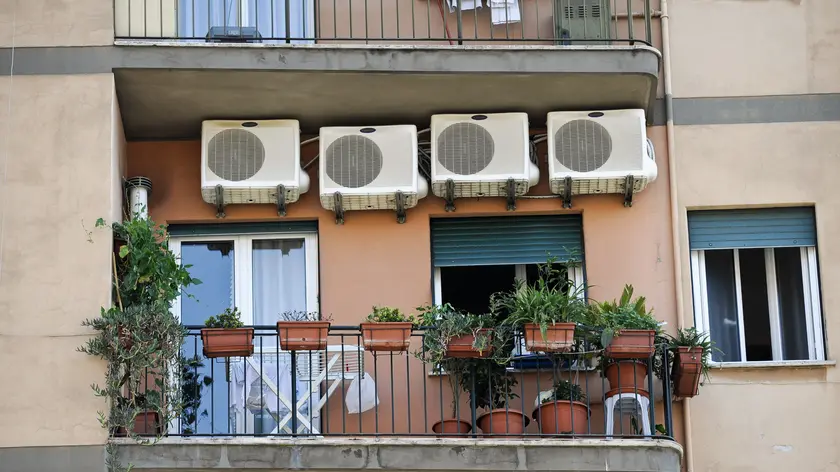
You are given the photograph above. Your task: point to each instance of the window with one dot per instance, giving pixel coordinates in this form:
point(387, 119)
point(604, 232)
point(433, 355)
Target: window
point(476, 257)
point(755, 283)
point(263, 274)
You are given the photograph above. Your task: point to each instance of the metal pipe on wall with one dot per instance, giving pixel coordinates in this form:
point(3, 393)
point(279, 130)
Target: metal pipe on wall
point(675, 211)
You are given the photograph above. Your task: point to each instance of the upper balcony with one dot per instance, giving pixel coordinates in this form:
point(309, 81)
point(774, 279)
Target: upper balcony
point(324, 62)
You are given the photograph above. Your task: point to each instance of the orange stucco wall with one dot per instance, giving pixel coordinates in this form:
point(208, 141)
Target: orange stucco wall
point(373, 260)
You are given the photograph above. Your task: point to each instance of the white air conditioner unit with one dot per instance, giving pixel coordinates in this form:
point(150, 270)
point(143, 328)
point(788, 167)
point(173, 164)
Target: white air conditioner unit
point(599, 152)
point(370, 168)
point(246, 162)
point(479, 154)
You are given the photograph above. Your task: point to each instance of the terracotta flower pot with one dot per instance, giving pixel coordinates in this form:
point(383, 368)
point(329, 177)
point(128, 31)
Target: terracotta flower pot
point(562, 417)
point(145, 423)
point(303, 335)
point(227, 342)
point(503, 422)
point(462, 346)
point(631, 344)
point(627, 375)
point(558, 337)
point(687, 370)
point(452, 428)
point(392, 336)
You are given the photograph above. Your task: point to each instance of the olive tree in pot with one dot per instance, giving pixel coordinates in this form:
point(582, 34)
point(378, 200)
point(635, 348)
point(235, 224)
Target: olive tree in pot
point(629, 333)
point(139, 338)
point(452, 341)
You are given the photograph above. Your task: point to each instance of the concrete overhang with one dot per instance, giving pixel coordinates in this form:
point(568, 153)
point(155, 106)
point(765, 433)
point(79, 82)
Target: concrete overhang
point(166, 90)
point(404, 454)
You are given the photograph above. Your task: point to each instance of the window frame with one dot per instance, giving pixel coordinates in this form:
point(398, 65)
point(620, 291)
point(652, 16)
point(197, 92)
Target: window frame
point(811, 296)
point(243, 295)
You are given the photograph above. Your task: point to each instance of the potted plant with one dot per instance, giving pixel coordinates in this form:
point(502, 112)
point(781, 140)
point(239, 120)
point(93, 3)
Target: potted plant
point(629, 332)
point(139, 337)
point(691, 351)
point(302, 331)
point(451, 341)
point(547, 312)
point(563, 410)
point(493, 392)
point(387, 329)
point(225, 336)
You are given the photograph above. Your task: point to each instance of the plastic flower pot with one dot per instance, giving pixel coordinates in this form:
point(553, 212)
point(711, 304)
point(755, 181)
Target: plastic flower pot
point(627, 375)
point(227, 342)
point(388, 337)
point(451, 428)
point(504, 422)
point(462, 346)
point(631, 344)
point(558, 337)
point(562, 417)
point(303, 335)
point(687, 370)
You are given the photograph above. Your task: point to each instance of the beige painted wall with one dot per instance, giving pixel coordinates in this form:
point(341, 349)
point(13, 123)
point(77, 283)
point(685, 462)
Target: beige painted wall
point(57, 139)
point(32, 23)
point(778, 419)
point(745, 47)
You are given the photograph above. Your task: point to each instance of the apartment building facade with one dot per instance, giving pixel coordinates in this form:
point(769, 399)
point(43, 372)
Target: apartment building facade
point(741, 102)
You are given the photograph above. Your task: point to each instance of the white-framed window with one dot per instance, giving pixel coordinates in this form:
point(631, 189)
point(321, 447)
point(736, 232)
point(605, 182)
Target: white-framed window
point(759, 304)
point(263, 275)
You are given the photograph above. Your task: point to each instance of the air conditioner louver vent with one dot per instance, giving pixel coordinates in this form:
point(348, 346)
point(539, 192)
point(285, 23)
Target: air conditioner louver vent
point(235, 155)
point(353, 161)
point(465, 148)
point(582, 145)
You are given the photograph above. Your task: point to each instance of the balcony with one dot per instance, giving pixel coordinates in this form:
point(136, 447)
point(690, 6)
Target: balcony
point(282, 410)
point(324, 62)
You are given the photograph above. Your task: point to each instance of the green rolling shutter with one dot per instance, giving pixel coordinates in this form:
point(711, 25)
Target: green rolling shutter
point(757, 228)
point(506, 240)
point(227, 229)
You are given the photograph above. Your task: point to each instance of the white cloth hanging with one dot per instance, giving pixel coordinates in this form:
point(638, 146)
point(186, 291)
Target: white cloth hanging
point(465, 5)
point(504, 11)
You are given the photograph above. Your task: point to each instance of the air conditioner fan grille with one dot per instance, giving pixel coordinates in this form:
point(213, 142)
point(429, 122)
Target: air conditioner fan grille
point(582, 145)
point(235, 154)
point(465, 148)
point(353, 161)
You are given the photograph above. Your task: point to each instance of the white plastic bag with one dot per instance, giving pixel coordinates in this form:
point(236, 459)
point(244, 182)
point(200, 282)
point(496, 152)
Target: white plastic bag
point(361, 395)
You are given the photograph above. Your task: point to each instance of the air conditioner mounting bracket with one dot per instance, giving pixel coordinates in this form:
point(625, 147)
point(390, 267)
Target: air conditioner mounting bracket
point(399, 199)
point(339, 208)
point(220, 201)
point(629, 183)
point(567, 192)
point(281, 200)
point(450, 195)
point(511, 194)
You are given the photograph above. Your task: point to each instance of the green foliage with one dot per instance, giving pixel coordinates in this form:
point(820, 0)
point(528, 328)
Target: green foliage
point(626, 313)
point(301, 315)
point(389, 315)
point(552, 299)
point(494, 385)
point(692, 338)
point(229, 319)
point(192, 386)
point(565, 391)
point(140, 339)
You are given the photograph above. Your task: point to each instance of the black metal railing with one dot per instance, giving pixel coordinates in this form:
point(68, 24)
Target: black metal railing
point(320, 393)
point(453, 22)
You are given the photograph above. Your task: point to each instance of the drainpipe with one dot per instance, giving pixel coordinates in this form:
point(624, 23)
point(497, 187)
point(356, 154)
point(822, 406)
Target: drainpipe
point(675, 213)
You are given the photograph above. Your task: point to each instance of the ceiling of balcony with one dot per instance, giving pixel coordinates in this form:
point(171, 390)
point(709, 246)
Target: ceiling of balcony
point(168, 98)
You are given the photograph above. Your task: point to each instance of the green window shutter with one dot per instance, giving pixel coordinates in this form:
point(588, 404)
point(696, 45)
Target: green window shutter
point(506, 240)
point(228, 229)
point(757, 228)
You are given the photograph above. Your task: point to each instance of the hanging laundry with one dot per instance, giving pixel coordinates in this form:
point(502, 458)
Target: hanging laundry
point(465, 5)
point(504, 11)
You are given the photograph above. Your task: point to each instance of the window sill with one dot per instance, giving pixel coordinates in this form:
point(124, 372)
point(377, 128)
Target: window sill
point(773, 365)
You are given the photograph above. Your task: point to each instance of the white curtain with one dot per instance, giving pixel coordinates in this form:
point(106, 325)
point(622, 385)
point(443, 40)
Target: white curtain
point(279, 278)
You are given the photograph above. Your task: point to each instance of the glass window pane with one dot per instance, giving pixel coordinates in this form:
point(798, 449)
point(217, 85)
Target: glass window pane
point(754, 301)
point(469, 288)
point(791, 303)
point(206, 405)
point(279, 278)
point(723, 311)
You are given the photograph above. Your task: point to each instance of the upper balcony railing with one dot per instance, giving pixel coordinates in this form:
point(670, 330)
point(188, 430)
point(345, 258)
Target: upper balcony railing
point(384, 22)
point(344, 390)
